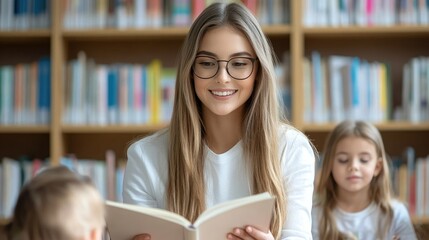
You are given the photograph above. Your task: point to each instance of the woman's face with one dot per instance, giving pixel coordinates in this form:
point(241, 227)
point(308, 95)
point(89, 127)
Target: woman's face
point(221, 94)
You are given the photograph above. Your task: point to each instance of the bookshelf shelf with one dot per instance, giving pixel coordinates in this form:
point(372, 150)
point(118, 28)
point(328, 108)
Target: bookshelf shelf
point(363, 32)
point(4, 221)
point(113, 128)
point(420, 220)
point(152, 33)
point(25, 35)
point(389, 126)
point(149, 33)
point(24, 129)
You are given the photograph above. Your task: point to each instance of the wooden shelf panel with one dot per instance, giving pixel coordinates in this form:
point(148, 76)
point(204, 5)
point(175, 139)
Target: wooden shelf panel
point(24, 129)
point(27, 35)
point(4, 221)
point(356, 31)
point(113, 128)
point(112, 33)
point(420, 220)
point(389, 126)
point(151, 33)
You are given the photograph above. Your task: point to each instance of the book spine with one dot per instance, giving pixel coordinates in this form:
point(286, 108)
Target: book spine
point(191, 234)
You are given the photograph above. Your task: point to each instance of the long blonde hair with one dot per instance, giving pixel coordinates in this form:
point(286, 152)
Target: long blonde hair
point(261, 122)
point(56, 204)
point(380, 187)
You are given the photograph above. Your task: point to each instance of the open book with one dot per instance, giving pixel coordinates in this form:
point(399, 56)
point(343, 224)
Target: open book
point(124, 221)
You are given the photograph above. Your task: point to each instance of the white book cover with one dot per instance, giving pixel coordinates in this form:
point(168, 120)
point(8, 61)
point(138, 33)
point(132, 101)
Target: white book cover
point(415, 92)
point(333, 13)
point(318, 86)
point(406, 89)
point(101, 77)
point(11, 185)
point(335, 64)
point(426, 181)
point(420, 190)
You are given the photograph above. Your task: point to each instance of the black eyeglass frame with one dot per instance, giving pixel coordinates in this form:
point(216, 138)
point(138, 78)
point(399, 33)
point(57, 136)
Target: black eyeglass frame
point(253, 60)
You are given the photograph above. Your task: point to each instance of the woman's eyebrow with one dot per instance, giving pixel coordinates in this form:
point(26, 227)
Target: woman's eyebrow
point(206, 53)
point(241, 54)
point(237, 54)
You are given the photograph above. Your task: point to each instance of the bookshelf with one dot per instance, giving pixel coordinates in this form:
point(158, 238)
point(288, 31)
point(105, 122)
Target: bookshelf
point(395, 44)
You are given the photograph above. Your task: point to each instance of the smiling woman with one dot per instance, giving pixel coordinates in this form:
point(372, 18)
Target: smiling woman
point(227, 138)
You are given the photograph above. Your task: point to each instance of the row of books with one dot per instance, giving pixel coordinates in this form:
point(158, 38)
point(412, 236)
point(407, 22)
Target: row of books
point(106, 174)
point(410, 178)
point(415, 90)
point(14, 173)
point(25, 93)
point(365, 12)
point(100, 94)
point(81, 14)
point(24, 14)
point(342, 87)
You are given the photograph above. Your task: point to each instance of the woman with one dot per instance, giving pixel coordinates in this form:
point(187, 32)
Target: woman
point(227, 138)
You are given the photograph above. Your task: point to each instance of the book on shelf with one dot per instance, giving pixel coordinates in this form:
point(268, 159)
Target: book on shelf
point(213, 224)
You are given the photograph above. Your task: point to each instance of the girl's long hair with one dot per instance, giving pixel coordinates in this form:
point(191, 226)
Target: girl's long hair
point(261, 121)
point(326, 190)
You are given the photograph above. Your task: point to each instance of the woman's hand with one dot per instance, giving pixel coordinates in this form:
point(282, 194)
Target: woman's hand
point(142, 237)
point(249, 233)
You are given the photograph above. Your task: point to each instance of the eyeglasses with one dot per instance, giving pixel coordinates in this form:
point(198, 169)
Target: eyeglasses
point(238, 68)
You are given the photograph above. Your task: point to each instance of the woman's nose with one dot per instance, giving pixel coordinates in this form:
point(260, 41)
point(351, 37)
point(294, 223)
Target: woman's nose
point(223, 75)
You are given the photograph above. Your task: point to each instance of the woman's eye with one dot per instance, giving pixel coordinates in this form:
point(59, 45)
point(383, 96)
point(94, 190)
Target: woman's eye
point(207, 64)
point(238, 64)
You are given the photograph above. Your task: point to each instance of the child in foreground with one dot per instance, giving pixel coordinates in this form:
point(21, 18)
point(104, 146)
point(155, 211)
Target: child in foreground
point(353, 197)
point(57, 204)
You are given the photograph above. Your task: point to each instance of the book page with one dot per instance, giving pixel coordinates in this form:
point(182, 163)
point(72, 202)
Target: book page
point(218, 221)
point(124, 221)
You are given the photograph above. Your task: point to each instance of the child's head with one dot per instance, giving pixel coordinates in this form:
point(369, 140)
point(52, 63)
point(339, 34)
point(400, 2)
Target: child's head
point(239, 18)
point(354, 161)
point(58, 204)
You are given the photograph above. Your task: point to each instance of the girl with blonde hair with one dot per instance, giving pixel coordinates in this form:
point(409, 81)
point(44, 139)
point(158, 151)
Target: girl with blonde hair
point(57, 204)
point(353, 195)
point(227, 138)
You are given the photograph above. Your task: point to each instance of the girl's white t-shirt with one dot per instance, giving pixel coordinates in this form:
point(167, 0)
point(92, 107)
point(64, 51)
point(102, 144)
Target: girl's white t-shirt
point(363, 224)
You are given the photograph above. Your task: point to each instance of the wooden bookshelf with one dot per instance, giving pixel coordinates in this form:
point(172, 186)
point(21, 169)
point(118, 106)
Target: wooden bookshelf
point(394, 43)
point(28, 35)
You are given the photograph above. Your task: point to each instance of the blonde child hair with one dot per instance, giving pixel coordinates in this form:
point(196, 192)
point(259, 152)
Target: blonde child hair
point(380, 187)
point(57, 204)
